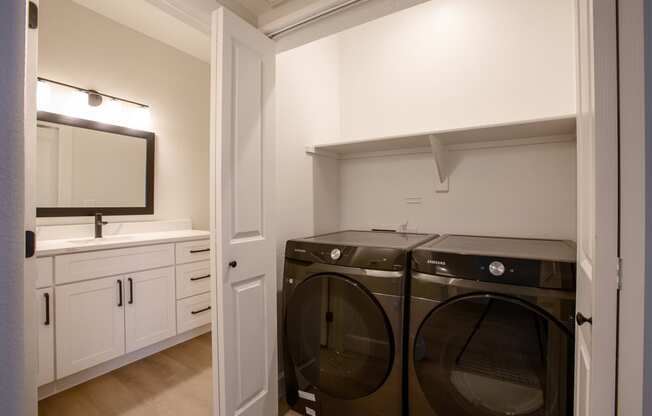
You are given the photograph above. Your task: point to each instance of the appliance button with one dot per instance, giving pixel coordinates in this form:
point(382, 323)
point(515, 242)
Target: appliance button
point(336, 254)
point(497, 268)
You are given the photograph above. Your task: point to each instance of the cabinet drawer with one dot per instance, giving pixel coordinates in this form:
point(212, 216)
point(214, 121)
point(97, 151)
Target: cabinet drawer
point(83, 266)
point(45, 270)
point(193, 251)
point(193, 279)
point(193, 312)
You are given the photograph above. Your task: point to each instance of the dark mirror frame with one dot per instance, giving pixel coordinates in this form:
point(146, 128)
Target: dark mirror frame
point(109, 128)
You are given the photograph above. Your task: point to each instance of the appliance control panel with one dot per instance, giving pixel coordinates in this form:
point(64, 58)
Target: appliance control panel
point(375, 258)
point(521, 272)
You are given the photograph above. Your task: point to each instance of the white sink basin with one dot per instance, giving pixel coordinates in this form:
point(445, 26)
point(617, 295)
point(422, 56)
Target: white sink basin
point(103, 240)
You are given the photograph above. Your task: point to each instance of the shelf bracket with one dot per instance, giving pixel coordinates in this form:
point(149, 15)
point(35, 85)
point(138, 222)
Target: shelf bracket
point(439, 154)
point(314, 151)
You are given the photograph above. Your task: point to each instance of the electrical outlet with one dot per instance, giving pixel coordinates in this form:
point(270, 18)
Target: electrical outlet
point(413, 200)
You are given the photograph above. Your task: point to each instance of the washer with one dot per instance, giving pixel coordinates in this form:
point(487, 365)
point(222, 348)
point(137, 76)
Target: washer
point(343, 320)
point(492, 327)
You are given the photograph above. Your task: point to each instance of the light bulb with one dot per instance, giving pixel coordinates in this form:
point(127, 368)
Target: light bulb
point(43, 96)
point(76, 105)
point(113, 112)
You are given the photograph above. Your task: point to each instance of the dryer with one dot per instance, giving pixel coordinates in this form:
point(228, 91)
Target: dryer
point(343, 322)
point(492, 327)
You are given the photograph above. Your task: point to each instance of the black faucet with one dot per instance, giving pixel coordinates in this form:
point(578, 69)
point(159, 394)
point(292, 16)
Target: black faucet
point(98, 225)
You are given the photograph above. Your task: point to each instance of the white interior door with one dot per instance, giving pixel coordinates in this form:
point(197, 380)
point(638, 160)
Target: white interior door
point(242, 207)
point(597, 150)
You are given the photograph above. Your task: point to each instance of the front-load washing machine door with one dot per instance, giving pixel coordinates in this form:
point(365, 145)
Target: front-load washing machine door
point(338, 336)
point(491, 355)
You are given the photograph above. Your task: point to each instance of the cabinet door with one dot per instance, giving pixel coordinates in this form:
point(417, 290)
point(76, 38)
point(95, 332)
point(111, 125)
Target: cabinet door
point(90, 324)
point(45, 334)
point(150, 307)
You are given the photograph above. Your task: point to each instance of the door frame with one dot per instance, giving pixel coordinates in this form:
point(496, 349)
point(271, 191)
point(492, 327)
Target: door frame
point(635, 88)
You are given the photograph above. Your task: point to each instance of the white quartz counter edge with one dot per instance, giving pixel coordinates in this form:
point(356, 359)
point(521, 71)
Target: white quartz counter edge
point(67, 246)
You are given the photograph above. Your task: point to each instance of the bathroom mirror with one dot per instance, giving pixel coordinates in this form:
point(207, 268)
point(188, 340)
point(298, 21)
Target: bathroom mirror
point(84, 167)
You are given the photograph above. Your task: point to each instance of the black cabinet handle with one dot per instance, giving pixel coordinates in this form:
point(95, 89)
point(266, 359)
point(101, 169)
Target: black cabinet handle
point(203, 250)
point(201, 310)
point(47, 308)
point(119, 293)
point(581, 319)
point(200, 277)
point(233, 264)
point(131, 290)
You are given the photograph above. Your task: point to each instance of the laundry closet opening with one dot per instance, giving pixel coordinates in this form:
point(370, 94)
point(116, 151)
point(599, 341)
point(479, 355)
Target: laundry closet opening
point(449, 118)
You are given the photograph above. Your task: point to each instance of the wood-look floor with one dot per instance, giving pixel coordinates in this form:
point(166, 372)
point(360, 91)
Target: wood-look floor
point(176, 381)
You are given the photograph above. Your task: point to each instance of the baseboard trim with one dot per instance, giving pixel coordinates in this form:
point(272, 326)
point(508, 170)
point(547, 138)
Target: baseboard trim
point(73, 380)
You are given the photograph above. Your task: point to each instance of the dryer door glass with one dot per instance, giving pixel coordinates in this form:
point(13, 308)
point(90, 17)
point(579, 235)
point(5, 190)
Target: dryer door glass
point(492, 355)
point(338, 336)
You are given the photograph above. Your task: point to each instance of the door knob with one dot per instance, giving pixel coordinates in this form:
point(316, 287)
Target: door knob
point(581, 319)
point(233, 264)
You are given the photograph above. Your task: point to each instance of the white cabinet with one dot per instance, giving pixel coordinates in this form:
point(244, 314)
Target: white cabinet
point(45, 335)
point(193, 312)
point(117, 301)
point(150, 307)
point(44, 272)
point(193, 279)
point(90, 323)
point(190, 251)
point(84, 266)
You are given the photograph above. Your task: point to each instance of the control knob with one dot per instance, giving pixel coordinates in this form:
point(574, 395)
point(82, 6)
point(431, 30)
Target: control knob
point(497, 268)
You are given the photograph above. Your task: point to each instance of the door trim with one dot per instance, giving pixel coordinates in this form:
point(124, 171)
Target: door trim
point(635, 80)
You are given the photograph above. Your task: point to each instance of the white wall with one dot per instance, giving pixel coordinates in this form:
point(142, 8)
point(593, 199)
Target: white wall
point(80, 47)
point(307, 85)
point(524, 191)
point(438, 65)
point(455, 63)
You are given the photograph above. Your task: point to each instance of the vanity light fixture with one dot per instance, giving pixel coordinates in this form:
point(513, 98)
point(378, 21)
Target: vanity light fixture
point(70, 100)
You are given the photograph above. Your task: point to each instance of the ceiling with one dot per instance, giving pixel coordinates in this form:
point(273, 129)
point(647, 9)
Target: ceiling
point(186, 24)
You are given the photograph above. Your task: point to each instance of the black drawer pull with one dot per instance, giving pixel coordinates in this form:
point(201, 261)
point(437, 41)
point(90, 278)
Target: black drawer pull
point(233, 264)
point(200, 277)
point(119, 293)
point(47, 308)
point(131, 290)
point(203, 250)
point(201, 310)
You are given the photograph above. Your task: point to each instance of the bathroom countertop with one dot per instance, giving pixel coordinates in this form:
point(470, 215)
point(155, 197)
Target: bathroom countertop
point(48, 248)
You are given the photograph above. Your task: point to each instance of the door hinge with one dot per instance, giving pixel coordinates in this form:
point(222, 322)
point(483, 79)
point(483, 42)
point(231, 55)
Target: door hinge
point(32, 17)
point(619, 273)
point(30, 244)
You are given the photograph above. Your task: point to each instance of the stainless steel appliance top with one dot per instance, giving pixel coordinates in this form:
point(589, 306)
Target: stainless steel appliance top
point(518, 248)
